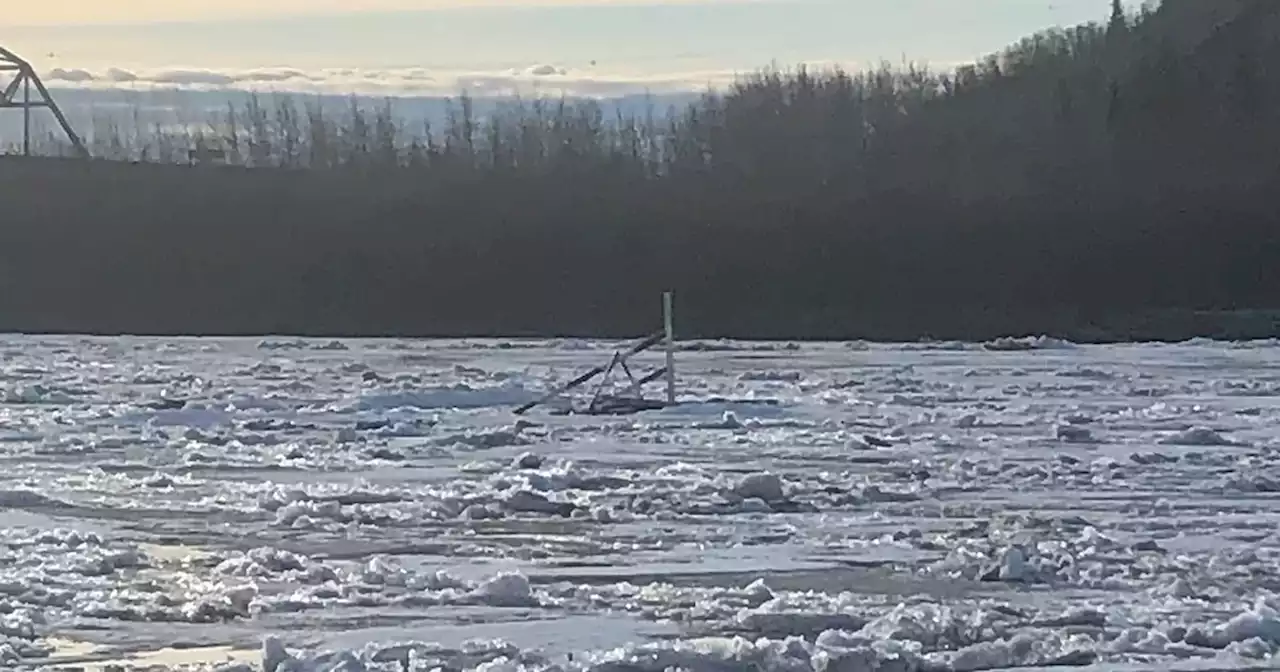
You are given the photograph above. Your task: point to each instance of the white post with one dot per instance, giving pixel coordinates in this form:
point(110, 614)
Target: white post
point(669, 326)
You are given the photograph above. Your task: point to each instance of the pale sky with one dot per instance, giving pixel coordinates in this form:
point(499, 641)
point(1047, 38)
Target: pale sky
point(63, 12)
point(441, 44)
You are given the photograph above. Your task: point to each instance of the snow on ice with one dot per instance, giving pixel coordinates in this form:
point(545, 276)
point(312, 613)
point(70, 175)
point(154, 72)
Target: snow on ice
point(293, 505)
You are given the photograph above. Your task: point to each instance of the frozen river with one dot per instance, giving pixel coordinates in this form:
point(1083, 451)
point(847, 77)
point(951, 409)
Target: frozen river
point(316, 505)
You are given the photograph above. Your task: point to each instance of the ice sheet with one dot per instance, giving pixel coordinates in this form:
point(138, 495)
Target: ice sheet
point(843, 506)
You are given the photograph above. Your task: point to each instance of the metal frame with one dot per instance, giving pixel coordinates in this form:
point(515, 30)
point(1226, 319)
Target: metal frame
point(609, 404)
point(17, 95)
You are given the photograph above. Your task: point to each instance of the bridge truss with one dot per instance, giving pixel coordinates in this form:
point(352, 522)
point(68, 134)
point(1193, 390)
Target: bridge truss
point(18, 95)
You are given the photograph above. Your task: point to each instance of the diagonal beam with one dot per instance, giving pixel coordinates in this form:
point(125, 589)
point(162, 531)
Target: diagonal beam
point(10, 57)
point(57, 114)
point(12, 90)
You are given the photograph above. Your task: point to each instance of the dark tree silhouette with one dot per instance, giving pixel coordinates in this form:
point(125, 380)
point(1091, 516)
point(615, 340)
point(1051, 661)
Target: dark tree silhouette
point(1097, 182)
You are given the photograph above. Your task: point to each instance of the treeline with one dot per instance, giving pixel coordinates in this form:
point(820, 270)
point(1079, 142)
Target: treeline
point(1105, 181)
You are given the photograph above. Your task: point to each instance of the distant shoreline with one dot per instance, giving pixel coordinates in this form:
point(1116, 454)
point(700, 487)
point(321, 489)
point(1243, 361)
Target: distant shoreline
point(110, 248)
point(1101, 183)
point(1223, 326)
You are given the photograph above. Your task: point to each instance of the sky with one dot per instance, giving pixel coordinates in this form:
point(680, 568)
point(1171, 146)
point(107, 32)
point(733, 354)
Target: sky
point(589, 47)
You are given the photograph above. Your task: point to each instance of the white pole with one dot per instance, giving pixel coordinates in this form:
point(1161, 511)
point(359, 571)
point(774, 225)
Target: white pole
point(669, 325)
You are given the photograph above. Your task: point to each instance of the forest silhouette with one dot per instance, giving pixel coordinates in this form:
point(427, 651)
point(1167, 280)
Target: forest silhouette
point(1111, 181)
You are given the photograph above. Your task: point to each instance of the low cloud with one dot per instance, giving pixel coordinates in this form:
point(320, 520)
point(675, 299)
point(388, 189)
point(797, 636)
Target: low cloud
point(539, 78)
point(70, 76)
point(120, 76)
